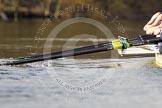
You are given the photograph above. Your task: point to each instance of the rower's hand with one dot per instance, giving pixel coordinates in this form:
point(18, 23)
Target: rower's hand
point(154, 26)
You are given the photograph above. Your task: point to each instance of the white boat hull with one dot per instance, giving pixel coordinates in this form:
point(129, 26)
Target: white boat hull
point(142, 50)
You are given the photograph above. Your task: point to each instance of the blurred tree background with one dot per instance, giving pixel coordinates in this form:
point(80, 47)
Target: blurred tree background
point(132, 9)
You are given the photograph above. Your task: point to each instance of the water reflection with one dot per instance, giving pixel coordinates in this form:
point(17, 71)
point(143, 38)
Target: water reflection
point(19, 38)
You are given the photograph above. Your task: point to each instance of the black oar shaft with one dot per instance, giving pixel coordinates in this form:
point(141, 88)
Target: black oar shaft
point(139, 40)
point(78, 51)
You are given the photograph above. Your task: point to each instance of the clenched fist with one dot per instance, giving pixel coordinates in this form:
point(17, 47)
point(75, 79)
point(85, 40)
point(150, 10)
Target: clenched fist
point(154, 26)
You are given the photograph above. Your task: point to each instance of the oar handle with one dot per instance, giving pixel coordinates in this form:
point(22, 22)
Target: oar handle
point(155, 41)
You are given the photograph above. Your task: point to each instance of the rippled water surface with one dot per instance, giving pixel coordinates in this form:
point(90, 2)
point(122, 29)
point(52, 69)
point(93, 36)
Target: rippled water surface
point(81, 83)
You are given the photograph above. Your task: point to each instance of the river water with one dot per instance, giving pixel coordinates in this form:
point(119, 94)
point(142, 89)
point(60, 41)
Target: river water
point(91, 81)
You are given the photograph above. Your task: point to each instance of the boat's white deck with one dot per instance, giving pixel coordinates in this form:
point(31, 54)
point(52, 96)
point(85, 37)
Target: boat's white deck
point(142, 50)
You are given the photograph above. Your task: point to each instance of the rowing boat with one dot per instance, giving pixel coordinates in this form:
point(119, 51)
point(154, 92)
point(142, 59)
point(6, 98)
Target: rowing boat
point(140, 50)
point(144, 50)
point(158, 60)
